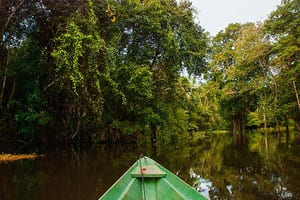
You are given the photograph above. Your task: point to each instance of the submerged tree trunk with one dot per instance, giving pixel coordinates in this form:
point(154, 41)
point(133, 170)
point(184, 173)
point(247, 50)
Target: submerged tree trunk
point(267, 146)
point(266, 143)
point(277, 126)
point(276, 115)
point(239, 124)
point(265, 121)
point(236, 127)
point(287, 129)
point(233, 126)
point(278, 131)
point(243, 122)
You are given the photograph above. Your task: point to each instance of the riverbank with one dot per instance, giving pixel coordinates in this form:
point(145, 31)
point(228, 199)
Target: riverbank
point(14, 157)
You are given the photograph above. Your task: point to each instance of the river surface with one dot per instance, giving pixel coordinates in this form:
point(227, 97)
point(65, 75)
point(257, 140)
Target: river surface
point(219, 166)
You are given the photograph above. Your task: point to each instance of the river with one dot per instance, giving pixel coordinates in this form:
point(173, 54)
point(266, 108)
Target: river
point(219, 166)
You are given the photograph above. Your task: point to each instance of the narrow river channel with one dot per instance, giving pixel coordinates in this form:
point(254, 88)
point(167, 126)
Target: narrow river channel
point(220, 166)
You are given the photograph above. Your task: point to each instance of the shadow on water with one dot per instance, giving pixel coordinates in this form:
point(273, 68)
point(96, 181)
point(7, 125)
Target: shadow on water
point(223, 166)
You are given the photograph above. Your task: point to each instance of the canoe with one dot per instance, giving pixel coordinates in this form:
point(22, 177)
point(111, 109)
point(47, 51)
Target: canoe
point(148, 180)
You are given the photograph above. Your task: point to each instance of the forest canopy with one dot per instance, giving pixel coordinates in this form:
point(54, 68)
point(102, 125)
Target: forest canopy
point(92, 70)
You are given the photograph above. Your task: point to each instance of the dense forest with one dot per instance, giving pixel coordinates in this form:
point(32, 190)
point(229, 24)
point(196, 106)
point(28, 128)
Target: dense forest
point(116, 70)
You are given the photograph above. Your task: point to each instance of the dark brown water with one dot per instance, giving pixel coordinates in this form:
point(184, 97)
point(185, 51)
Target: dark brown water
point(219, 167)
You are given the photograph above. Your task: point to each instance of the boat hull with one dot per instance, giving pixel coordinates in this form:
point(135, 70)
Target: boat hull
point(146, 179)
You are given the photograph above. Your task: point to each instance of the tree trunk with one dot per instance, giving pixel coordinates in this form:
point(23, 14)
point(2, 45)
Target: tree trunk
point(3, 86)
point(10, 17)
point(264, 69)
point(265, 121)
point(267, 147)
point(265, 111)
point(153, 133)
point(287, 129)
point(297, 124)
point(77, 130)
point(243, 122)
point(278, 131)
point(3, 44)
point(276, 115)
point(233, 126)
point(277, 126)
point(5, 63)
point(297, 95)
point(12, 93)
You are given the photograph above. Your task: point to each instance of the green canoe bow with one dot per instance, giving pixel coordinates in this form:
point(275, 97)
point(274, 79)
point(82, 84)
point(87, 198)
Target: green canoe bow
point(148, 180)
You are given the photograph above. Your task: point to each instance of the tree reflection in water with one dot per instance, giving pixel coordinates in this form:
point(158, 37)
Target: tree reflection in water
point(220, 166)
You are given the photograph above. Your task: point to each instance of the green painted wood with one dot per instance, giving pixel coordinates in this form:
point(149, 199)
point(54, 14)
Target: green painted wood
point(148, 171)
point(158, 183)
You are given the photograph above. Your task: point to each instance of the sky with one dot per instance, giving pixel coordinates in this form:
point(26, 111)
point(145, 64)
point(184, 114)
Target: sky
point(215, 15)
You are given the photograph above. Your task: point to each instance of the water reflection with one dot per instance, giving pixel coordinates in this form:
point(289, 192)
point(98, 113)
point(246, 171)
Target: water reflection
point(219, 167)
point(259, 170)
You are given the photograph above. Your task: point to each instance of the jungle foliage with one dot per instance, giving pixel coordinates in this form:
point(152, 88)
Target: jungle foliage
point(117, 70)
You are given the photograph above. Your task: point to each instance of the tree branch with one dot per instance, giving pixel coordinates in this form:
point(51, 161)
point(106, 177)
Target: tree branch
point(12, 14)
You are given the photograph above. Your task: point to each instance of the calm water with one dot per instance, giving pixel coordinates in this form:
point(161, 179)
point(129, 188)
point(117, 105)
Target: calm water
point(219, 167)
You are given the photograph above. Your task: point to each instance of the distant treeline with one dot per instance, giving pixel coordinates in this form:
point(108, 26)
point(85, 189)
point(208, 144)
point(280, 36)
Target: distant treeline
point(93, 70)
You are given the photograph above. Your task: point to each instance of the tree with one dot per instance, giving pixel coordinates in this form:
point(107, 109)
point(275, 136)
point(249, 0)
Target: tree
point(157, 38)
point(282, 28)
point(80, 68)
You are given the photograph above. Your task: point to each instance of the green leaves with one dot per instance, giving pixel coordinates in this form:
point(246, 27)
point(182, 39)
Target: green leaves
point(76, 68)
point(157, 40)
point(77, 51)
point(81, 70)
point(255, 65)
point(29, 104)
